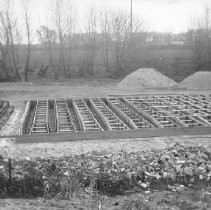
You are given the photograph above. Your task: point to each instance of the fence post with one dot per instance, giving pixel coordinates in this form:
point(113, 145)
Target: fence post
point(10, 174)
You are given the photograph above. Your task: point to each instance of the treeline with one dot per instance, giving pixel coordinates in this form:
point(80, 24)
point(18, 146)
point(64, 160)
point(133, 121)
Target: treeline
point(107, 37)
point(199, 37)
point(113, 30)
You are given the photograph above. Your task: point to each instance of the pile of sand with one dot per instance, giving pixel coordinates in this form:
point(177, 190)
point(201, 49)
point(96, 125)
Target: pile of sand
point(146, 78)
point(199, 80)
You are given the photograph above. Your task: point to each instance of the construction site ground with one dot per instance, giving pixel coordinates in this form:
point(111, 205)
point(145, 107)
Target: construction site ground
point(18, 93)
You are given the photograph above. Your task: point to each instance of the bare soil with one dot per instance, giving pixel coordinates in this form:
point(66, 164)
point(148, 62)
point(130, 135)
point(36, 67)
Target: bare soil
point(199, 80)
point(165, 200)
point(17, 93)
point(44, 150)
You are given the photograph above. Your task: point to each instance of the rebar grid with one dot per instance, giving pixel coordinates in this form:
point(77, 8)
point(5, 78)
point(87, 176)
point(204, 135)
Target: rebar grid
point(180, 108)
point(74, 115)
point(188, 110)
point(114, 122)
point(138, 120)
point(64, 123)
point(113, 114)
point(154, 109)
point(52, 120)
point(90, 123)
point(40, 122)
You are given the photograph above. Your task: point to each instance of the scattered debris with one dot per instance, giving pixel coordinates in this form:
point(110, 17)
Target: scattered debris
point(174, 168)
point(5, 112)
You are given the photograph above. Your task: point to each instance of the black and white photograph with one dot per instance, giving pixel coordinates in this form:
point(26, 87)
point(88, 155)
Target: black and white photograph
point(105, 104)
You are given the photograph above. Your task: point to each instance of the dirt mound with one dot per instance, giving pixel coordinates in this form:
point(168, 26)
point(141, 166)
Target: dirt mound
point(199, 80)
point(146, 78)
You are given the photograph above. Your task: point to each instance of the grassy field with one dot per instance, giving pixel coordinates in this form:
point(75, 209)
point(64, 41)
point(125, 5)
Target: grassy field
point(175, 62)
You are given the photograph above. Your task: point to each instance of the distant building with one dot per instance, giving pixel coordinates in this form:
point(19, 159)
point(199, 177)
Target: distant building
point(165, 39)
point(178, 39)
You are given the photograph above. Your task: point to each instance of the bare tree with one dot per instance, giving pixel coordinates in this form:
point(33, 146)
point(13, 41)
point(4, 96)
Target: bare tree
point(5, 46)
point(71, 20)
point(137, 43)
point(207, 34)
point(126, 44)
point(28, 36)
point(61, 31)
point(192, 43)
point(10, 41)
point(90, 41)
point(105, 37)
point(47, 38)
point(120, 28)
point(199, 35)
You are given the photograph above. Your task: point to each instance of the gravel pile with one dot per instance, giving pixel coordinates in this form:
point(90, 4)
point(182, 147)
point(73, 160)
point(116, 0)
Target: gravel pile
point(199, 80)
point(146, 78)
point(175, 168)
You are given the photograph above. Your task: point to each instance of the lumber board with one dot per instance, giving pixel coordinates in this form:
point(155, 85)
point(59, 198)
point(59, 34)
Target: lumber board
point(103, 135)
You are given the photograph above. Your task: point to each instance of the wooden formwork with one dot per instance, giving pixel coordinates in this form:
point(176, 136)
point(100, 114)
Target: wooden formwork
point(115, 117)
point(103, 135)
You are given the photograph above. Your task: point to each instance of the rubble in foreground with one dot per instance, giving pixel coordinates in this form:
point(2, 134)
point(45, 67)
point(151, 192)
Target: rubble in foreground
point(174, 169)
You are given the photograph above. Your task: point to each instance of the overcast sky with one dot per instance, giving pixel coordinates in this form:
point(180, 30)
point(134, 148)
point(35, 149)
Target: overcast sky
point(160, 15)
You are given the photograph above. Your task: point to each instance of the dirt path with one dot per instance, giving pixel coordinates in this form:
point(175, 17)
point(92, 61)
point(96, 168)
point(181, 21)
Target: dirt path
point(21, 151)
point(17, 93)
